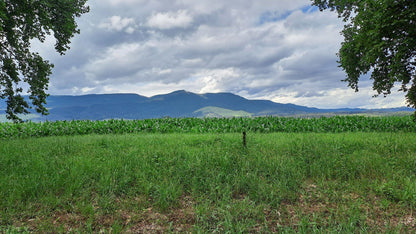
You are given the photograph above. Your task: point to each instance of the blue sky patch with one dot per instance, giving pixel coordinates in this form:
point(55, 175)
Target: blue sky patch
point(309, 9)
point(274, 16)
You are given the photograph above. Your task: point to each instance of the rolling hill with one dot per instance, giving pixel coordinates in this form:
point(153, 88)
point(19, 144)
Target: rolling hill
point(176, 104)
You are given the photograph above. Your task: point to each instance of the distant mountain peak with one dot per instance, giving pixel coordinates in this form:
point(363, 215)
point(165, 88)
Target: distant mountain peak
point(180, 91)
point(180, 103)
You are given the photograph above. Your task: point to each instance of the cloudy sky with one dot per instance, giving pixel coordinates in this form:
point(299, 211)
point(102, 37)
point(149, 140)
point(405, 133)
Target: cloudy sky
point(281, 50)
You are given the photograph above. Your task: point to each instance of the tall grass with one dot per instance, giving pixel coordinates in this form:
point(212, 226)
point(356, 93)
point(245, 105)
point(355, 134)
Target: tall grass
point(280, 182)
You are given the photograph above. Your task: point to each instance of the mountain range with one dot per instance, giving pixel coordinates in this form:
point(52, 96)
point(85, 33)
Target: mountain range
point(176, 104)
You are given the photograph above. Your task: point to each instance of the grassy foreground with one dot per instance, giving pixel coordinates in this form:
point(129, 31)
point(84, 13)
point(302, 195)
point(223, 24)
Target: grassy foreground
point(282, 182)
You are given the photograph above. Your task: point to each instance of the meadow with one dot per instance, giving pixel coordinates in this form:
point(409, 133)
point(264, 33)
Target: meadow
point(338, 174)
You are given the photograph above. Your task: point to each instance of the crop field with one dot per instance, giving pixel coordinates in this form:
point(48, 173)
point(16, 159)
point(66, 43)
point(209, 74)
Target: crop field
point(211, 125)
point(339, 174)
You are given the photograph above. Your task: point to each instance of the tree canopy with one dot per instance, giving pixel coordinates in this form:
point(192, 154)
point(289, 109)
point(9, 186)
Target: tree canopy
point(21, 21)
point(379, 38)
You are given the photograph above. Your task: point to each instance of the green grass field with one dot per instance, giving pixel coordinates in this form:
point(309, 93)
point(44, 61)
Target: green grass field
point(208, 182)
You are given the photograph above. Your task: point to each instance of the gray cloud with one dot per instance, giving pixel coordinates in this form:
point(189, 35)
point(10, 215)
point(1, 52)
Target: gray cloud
point(283, 50)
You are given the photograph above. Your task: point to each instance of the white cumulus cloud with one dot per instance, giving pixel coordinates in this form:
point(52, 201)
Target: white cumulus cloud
point(118, 23)
point(169, 20)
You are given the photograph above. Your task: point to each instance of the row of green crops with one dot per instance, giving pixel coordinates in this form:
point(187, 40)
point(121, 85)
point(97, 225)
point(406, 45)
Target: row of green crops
point(210, 125)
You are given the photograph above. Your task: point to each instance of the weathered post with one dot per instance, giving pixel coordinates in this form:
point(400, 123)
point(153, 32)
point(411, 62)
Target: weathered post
point(244, 139)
